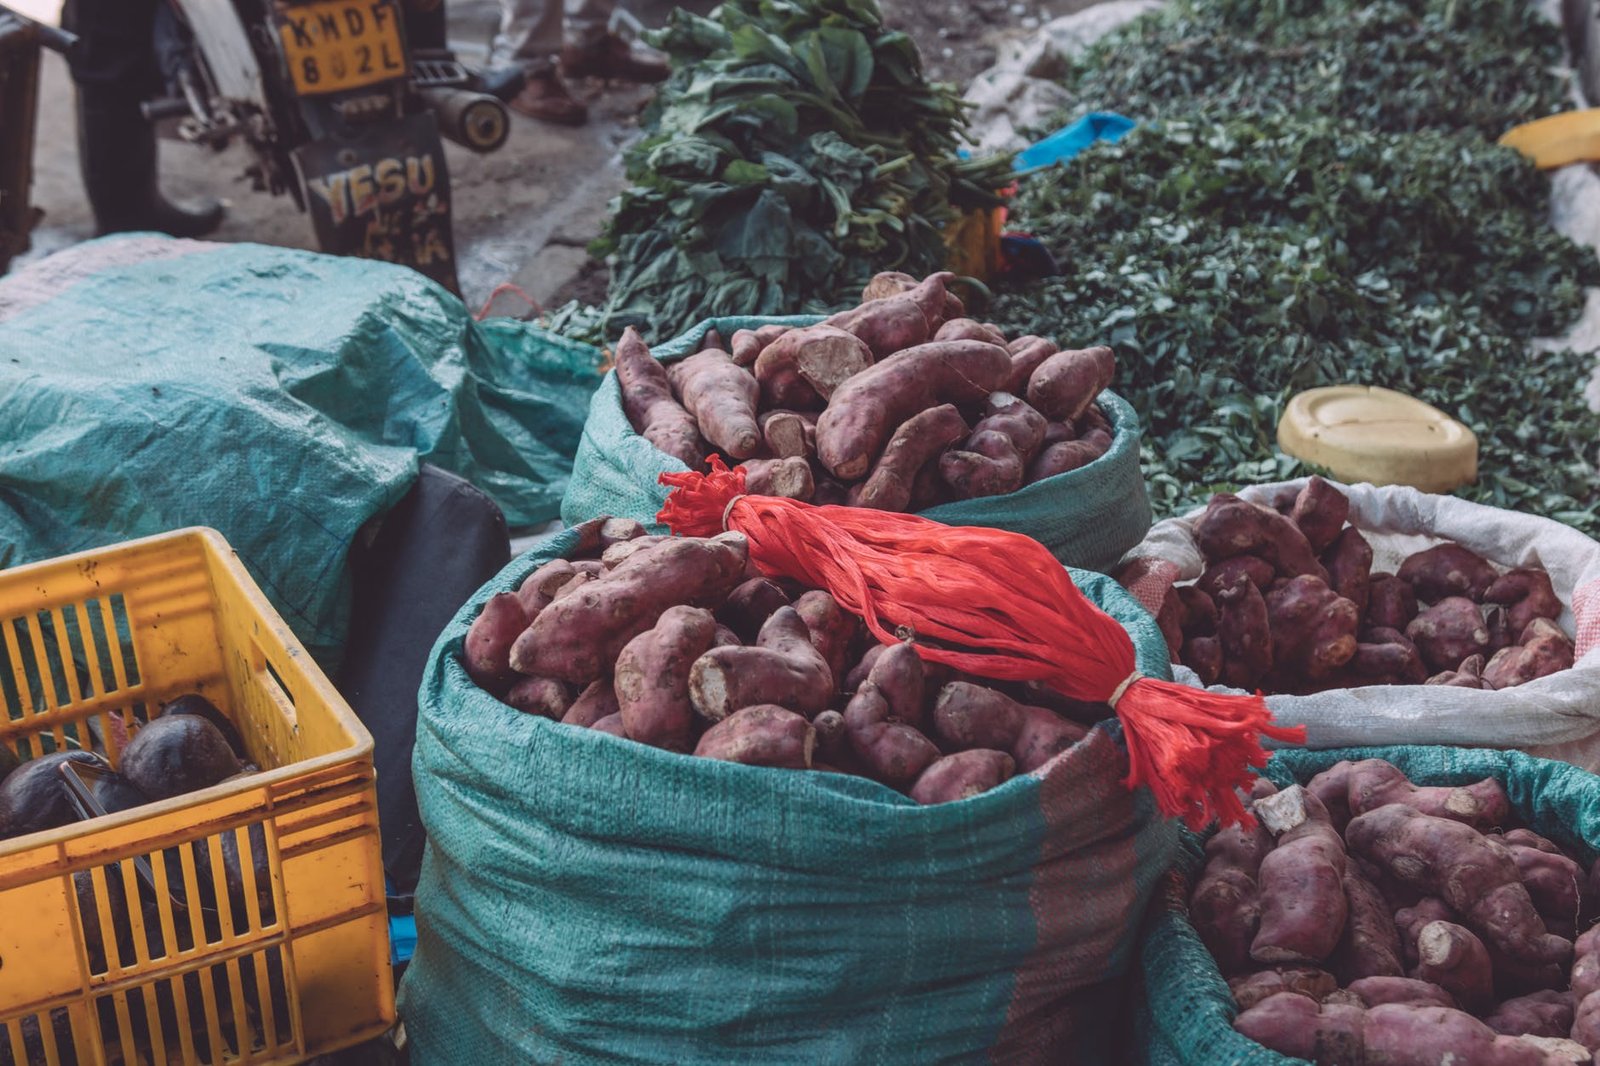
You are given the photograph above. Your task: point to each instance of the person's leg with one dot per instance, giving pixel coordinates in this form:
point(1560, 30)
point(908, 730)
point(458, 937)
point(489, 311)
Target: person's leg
point(591, 50)
point(530, 36)
point(114, 70)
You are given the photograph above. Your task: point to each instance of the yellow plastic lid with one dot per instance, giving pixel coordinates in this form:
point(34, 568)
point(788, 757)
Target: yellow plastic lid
point(1364, 433)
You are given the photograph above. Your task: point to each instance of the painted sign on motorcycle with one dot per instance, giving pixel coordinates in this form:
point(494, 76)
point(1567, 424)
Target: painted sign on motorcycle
point(386, 196)
point(340, 44)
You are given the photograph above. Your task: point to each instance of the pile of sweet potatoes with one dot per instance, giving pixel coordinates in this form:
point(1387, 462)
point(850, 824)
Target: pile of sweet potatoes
point(679, 643)
point(1366, 919)
point(1289, 603)
point(898, 404)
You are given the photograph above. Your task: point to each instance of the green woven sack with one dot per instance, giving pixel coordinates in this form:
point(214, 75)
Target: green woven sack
point(1087, 517)
point(586, 899)
point(1185, 1016)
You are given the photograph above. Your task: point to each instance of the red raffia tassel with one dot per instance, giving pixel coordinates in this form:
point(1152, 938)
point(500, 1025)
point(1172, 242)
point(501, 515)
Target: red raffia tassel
point(998, 605)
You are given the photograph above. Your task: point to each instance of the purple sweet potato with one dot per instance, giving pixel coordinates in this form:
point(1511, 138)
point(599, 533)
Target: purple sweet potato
point(1066, 383)
point(891, 752)
point(919, 440)
point(1320, 511)
point(1348, 561)
point(597, 701)
point(1527, 594)
point(788, 434)
point(648, 402)
point(487, 649)
point(1391, 604)
point(1448, 570)
point(1448, 632)
point(1376, 991)
point(783, 668)
point(542, 696)
point(822, 356)
point(1304, 980)
point(1231, 527)
point(1303, 903)
point(722, 398)
point(962, 775)
point(967, 716)
point(652, 677)
point(748, 607)
point(1242, 628)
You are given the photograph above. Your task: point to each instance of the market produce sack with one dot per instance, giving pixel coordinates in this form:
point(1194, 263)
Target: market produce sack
point(1185, 1017)
point(1087, 517)
point(1557, 716)
point(588, 899)
point(281, 397)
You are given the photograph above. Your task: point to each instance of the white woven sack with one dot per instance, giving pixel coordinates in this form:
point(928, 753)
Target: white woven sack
point(1555, 717)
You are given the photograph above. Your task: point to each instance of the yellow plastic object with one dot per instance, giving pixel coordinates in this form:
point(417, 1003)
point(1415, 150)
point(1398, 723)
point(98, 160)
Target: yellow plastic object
point(264, 939)
point(1364, 433)
point(972, 243)
point(1570, 137)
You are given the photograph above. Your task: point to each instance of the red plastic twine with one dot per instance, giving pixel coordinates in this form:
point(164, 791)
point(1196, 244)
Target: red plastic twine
point(995, 604)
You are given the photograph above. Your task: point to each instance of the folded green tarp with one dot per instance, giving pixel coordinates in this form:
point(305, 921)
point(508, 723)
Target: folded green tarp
point(281, 397)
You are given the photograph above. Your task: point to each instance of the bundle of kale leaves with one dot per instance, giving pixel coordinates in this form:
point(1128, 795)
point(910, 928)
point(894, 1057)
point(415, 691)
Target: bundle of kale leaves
point(1317, 199)
point(796, 150)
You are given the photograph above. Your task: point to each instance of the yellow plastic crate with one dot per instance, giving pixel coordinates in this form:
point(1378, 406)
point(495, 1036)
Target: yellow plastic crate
point(285, 959)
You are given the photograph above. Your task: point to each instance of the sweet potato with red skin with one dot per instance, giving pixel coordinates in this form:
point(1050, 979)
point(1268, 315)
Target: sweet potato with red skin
point(746, 345)
point(1027, 355)
point(1376, 991)
point(782, 668)
point(1169, 619)
point(1349, 788)
point(994, 459)
point(788, 434)
point(1203, 655)
point(1061, 458)
point(918, 441)
point(1302, 980)
point(893, 283)
point(1197, 615)
point(788, 478)
point(1393, 1034)
point(1225, 909)
point(1301, 883)
point(595, 702)
point(962, 775)
point(1221, 575)
point(648, 402)
point(1448, 632)
point(748, 607)
point(1389, 662)
point(1391, 603)
point(1527, 594)
point(967, 715)
point(831, 740)
point(1370, 946)
point(967, 329)
point(652, 677)
point(1320, 511)
point(1474, 875)
point(822, 356)
point(1231, 527)
point(722, 398)
point(890, 752)
point(1543, 1013)
point(1453, 958)
point(827, 492)
point(831, 629)
point(858, 673)
point(1468, 675)
point(1313, 628)
point(541, 586)
point(866, 409)
point(761, 735)
point(1066, 383)
point(1447, 570)
point(894, 323)
point(1242, 629)
point(899, 676)
point(1348, 561)
point(542, 696)
point(486, 652)
point(614, 555)
point(1058, 433)
point(611, 723)
point(1409, 922)
point(1554, 883)
point(1545, 650)
point(577, 638)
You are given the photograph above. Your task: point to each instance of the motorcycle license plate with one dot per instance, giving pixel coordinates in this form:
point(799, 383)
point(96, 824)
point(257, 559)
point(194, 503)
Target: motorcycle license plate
point(341, 44)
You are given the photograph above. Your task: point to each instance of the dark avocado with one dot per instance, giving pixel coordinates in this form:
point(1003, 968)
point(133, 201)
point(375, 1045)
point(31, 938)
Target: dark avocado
point(201, 707)
point(114, 793)
point(34, 797)
point(175, 754)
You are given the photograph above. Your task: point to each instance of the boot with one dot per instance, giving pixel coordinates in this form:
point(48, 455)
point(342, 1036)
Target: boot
point(546, 97)
point(613, 57)
point(117, 155)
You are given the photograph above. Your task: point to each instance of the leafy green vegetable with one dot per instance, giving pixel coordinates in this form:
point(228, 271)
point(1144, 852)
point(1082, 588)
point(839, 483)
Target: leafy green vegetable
point(1249, 246)
point(796, 150)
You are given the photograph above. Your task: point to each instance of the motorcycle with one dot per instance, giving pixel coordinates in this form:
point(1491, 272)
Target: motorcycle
point(338, 112)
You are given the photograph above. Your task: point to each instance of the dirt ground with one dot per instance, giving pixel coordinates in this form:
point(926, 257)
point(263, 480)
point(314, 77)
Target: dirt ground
point(522, 214)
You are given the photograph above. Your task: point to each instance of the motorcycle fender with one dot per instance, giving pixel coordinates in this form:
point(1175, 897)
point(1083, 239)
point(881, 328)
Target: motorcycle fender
point(385, 195)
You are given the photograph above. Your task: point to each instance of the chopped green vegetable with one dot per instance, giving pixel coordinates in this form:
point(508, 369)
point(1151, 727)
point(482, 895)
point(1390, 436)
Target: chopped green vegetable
point(1248, 246)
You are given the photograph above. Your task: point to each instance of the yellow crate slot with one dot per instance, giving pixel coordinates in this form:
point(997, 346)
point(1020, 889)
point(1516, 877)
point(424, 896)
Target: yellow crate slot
point(277, 956)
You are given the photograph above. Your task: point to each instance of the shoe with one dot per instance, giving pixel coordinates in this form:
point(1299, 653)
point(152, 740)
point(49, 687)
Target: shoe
point(117, 156)
point(613, 57)
point(502, 83)
point(546, 97)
